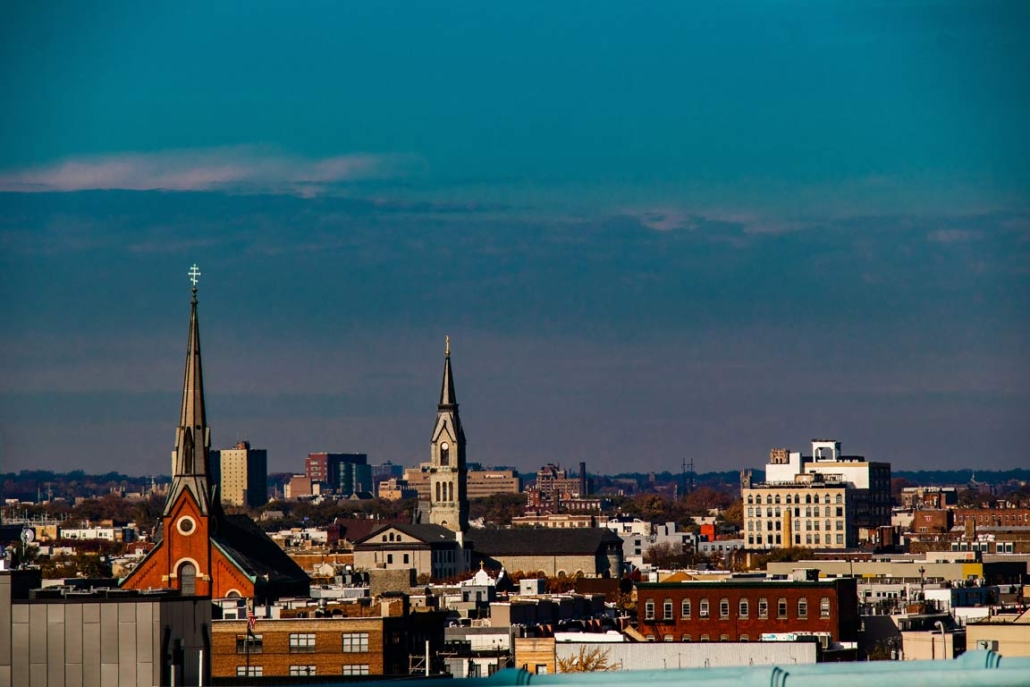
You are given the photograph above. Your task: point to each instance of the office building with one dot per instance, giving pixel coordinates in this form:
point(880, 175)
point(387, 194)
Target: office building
point(824, 500)
point(241, 474)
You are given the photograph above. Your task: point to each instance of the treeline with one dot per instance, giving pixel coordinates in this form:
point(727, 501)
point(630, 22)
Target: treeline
point(952, 477)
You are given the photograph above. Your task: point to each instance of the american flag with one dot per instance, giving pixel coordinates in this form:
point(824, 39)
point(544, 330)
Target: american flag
point(251, 620)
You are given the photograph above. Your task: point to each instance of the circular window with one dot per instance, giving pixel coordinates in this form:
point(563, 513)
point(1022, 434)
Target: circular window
point(186, 525)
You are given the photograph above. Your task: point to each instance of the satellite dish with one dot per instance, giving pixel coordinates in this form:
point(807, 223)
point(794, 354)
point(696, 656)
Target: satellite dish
point(27, 536)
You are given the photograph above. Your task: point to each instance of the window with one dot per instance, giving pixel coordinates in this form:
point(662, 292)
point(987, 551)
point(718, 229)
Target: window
point(750, 499)
point(777, 500)
point(669, 638)
point(724, 638)
point(187, 579)
point(649, 610)
point(667, 609)
point(704, 638)
point(781, 608)
point(355, 642)
point(685, 638)
point(763, 608)
point(724, 608)
point(405, 558)
point(302, 643)
point(840, 538)
point(252, 671)
point(751, 512)
point(743, 638)
point(743, 608)
point(243, 640)
point(824, 607)
point(302, 670)
point(802, 607)
point(840, 499)
point(808, 511)
point(703, 609)
point(815, 511)
point(685, 609)
point(361, 669)
point(840, 525)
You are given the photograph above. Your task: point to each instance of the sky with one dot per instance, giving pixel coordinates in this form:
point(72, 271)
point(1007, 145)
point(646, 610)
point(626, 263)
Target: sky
point(676, 231)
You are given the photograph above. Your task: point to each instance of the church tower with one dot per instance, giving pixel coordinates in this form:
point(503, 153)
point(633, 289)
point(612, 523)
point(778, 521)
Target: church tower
point(199, 549)
point(185, 560)
point(448, 474)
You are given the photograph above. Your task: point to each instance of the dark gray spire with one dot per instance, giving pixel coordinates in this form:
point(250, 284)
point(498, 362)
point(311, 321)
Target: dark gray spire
point(447, 396)
point(193, 437)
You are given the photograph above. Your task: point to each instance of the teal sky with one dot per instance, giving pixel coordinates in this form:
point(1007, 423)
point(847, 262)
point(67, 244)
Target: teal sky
point(685, 229)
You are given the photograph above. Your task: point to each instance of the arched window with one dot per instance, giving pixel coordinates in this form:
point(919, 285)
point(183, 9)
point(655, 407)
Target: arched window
point(751, 512)
point(826, 498)
point(438, 492)
point(188, 579)
point(777, 511)
point(815, 511)
point(788, 498)
point(750, 499)
point(768, 499)
point(776, 499)
point(808, 511)
point(685, 609)
point(445, 454)
point(824, 607)
point(763, 607)
point(667, 610)
point(808, 498)
point(702, 611)
point(744, 608)
point(649, 609)
point(724, 608)
point(840, 499)
point(802, 607)
point(781, 608)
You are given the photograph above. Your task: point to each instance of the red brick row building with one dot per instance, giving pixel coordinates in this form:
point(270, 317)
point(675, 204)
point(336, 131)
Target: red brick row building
point(741, 610)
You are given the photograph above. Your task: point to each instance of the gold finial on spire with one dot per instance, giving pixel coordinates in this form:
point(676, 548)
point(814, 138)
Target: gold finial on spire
point(447, 352)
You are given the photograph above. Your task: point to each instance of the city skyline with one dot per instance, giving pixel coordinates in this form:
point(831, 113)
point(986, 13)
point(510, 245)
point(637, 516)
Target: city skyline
point(652, 236)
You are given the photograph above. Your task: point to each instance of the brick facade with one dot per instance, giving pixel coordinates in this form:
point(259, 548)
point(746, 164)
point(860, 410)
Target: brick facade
point(331, 647)
point(742, 610)
point(993, 517)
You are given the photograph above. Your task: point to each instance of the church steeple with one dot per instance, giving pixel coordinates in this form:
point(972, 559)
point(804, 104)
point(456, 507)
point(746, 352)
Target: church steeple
point(447, 396)
point(193, 437)
point(448, 474)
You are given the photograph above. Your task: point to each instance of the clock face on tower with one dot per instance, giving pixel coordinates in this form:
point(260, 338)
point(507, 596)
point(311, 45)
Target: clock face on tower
point(444, 446)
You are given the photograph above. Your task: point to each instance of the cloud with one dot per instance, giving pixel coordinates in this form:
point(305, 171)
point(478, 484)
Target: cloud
point(952, 236)
point(241, 169)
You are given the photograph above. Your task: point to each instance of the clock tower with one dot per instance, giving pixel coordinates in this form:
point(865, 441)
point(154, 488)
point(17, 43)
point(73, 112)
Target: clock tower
point(448, 474)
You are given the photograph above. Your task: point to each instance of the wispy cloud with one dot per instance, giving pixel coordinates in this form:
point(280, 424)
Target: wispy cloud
point(952, 236)
point(241, 168)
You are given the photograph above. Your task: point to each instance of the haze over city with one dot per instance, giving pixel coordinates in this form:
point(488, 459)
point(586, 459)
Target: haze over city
point(652, 234)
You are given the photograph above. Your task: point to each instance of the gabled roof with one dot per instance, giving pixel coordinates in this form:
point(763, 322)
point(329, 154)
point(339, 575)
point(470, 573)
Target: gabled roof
point(428, 534)
point(529, 541)
point(256, 554)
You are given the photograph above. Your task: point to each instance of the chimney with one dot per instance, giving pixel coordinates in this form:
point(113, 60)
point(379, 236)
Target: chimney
point(582, 480)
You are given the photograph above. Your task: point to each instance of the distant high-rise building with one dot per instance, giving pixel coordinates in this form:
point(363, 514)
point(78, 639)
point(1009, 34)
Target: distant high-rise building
point(242, 475)
point(344, 473)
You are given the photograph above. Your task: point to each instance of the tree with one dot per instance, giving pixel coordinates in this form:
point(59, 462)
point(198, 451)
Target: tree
point(734, 515)
point(668, 555)
point(587, 661)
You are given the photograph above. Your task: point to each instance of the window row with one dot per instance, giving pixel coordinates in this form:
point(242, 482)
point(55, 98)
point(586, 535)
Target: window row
point(303, 643)
point(807, 525)
point(743, 608)
point(809, 498)
point(258, 671)
point(810, 512)
point(757, 539)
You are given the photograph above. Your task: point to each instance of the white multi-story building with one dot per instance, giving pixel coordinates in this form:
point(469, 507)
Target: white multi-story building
point(817, 501)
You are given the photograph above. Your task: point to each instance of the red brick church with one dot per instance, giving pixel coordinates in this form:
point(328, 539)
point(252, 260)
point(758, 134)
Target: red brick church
point(200, 550)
